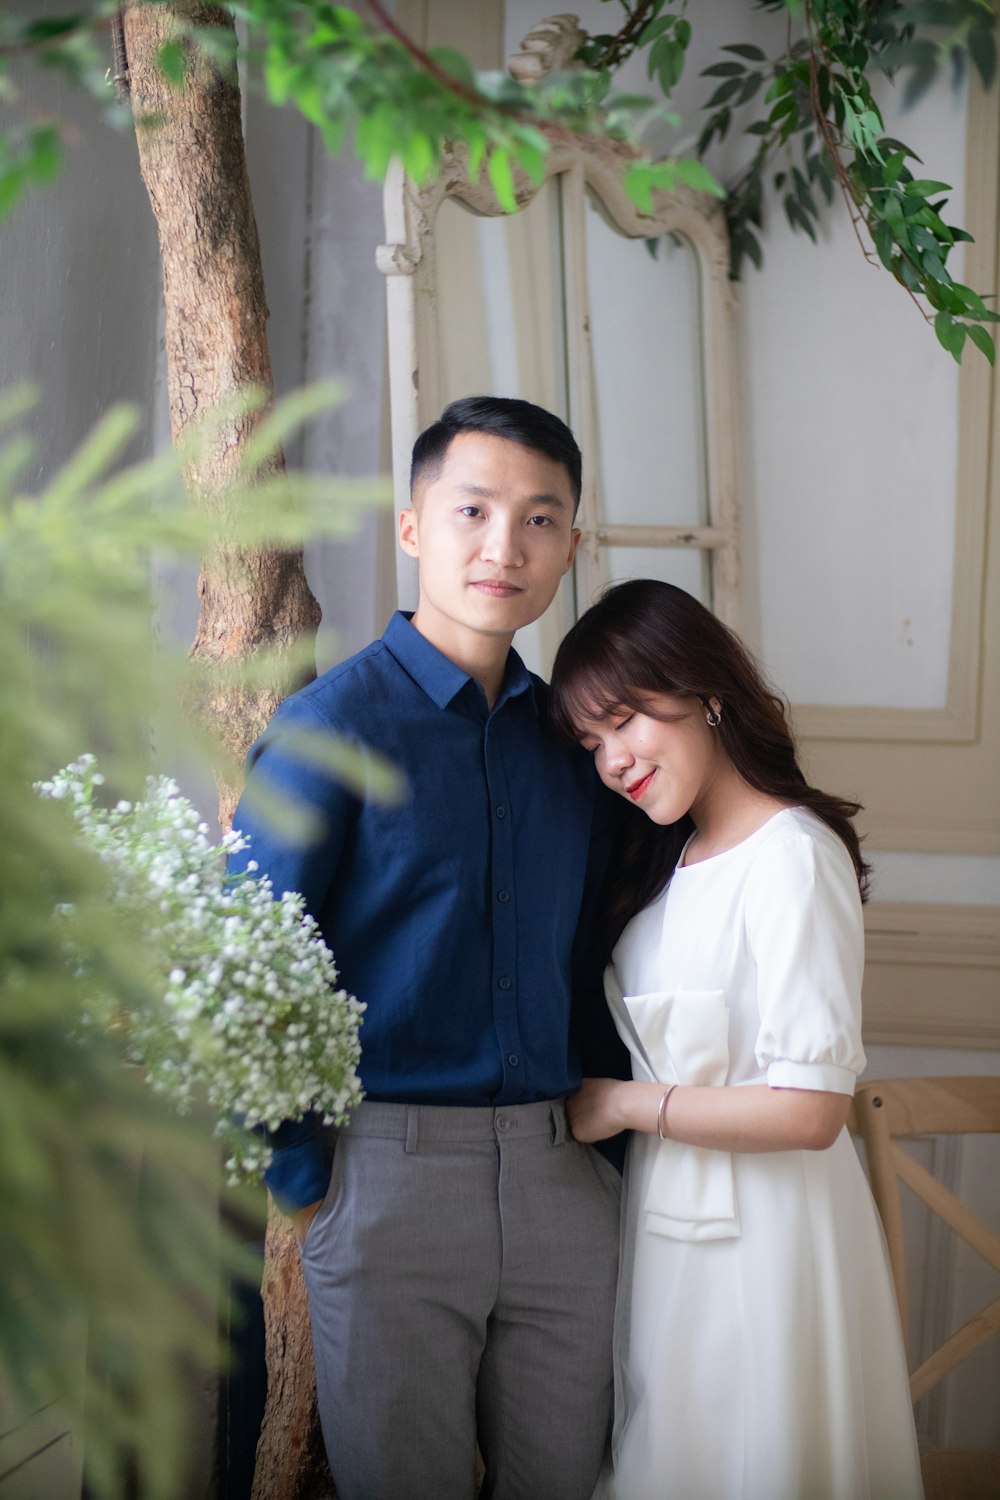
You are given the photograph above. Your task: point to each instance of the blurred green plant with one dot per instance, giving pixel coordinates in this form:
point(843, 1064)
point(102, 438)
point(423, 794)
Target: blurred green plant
point(109, 1228)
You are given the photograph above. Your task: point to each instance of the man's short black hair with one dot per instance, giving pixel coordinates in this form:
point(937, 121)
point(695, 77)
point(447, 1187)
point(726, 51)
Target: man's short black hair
point(498, 416)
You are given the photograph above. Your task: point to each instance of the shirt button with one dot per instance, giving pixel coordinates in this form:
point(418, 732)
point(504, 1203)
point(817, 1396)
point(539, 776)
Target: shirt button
point(504, 983)
point(503, 896)
point(513, 1059)
point(501, 812)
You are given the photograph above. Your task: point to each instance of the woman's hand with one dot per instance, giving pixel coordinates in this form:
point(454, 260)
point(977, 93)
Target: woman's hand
point(595, 1109)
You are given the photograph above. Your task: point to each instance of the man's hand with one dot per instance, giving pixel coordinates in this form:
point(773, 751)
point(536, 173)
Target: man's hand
point(594, 1110)
point(302, 1218)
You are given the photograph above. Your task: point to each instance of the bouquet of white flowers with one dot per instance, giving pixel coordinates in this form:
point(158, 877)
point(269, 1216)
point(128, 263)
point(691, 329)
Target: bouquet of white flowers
point(249, 1012)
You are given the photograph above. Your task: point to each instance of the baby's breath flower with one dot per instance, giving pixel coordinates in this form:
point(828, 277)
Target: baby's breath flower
point(249, 1014)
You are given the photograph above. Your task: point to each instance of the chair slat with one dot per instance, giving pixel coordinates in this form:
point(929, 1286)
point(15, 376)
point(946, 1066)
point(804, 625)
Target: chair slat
point(938, 1106)
point(954, 1212)
point(889, 1110)
point(954, 1349)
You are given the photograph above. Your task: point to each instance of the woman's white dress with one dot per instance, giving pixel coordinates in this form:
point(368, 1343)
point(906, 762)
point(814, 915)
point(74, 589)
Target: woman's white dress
point(758, 1350)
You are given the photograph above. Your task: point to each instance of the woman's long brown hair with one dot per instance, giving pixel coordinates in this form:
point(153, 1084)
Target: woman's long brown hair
point(646, 637)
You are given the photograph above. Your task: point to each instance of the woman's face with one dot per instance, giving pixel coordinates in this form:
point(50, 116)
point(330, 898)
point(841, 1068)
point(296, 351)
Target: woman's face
point(667, 764)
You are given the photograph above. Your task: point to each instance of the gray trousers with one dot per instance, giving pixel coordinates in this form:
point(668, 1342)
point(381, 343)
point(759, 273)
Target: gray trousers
point(461, 1278)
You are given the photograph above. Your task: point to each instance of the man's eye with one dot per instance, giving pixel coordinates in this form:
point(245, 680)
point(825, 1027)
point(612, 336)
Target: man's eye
point(540, 521)
point(470, 510)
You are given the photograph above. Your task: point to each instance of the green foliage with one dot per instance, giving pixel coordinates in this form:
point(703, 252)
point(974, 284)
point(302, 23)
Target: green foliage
point(74, 45)
point(28, 154)
point(395, 100)
point(809, 110)
point(819, 129)
point(109, 1229)
point(84, 1249)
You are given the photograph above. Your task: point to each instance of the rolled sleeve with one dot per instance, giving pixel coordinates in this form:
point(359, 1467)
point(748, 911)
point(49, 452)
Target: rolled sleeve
point(825, 1077)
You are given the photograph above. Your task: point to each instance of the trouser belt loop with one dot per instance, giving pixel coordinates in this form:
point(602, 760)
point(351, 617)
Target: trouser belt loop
point(558, 1122)
point(412, 1127)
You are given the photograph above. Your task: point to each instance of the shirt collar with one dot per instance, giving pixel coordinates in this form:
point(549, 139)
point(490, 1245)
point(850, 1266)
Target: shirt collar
point(437, 674)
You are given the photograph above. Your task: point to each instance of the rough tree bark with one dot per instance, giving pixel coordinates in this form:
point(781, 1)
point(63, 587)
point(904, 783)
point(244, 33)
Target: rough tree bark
point(193, 164)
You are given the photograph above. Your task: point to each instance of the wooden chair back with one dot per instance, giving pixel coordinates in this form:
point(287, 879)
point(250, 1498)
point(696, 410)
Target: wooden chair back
point(891, 1110)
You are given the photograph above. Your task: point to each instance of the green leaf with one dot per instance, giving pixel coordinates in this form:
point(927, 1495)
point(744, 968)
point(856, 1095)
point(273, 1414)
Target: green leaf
point(727, 90)
point(724, 70)
point(17, 401)
point(642, 177)
point(972, 300)
point(375, 141)
point(95, 455)
point(502, 179)
point(782, 85)
point(669, 57)
point(697, 177)
point(290, 417)
point(172, 64)
point(531, 160)
point(950, 335)
point(455, 64)
point(743, 49)
point(882, 235)
point(983, 51)
point(797, 217)
point(653, 29)
point(982, 341)
point(418, 156)
point(925, 187)
point(347, 20)
point(894, 167)
point(786, 106)
point(476, 142)
point(46, 153)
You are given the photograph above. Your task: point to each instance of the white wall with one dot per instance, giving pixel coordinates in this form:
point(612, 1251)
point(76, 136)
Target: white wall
point(79, 281)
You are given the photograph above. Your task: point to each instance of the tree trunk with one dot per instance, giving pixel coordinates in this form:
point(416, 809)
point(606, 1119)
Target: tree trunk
point(191, 155)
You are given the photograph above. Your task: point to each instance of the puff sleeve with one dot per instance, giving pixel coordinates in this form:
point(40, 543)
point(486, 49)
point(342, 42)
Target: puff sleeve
point(806, 934)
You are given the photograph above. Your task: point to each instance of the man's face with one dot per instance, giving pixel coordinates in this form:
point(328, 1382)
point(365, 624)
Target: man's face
point(494, 534)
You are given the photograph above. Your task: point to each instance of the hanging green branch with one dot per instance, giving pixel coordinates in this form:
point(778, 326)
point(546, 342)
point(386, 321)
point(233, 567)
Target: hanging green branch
point(818, 129)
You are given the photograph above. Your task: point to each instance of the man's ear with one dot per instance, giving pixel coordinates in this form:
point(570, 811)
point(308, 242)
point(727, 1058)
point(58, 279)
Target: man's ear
point(574, 543)
point(408, 531)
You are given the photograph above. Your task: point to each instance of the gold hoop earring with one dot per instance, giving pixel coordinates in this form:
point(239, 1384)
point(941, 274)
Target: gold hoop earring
point(713, 718)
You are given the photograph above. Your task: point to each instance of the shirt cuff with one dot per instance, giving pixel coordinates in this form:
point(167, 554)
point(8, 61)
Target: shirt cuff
point(821, 1077)
point(298, 1176)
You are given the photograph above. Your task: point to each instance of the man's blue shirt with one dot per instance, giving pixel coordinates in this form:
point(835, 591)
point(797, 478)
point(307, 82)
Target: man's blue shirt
point(463, 914)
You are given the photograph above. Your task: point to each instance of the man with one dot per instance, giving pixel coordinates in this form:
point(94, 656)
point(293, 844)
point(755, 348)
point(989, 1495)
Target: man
point(461, 1258)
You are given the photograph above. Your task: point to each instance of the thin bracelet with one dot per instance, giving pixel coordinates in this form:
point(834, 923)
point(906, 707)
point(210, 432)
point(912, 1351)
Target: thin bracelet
point(661, 1113)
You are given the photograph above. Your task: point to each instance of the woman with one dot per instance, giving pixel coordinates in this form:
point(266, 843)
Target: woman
point(758, 1350)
